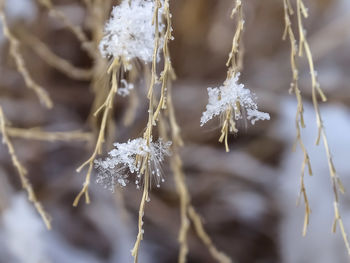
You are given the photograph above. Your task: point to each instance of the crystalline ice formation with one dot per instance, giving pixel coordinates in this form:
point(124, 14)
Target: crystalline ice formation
point(114, 169)
point(232, 94)
point(125, 88)
point(129, 33)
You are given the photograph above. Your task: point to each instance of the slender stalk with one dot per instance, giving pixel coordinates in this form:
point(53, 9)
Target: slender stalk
point(22, 172)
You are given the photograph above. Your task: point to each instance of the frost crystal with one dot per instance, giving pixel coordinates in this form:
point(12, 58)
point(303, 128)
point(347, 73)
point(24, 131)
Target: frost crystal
point(232, 94)
point(129, 33)
point(114, 169)
point(125, 88)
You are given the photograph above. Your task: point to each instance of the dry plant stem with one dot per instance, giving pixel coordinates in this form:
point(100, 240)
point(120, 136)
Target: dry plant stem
point(316, 90)
point(176, 166)
point(175, 129)
point(338, 219)
point(168, 70)
point(234, 64)
point(40, 135)
point(299, 118)
point(155, 52)
point(76, 30)
point(168, 75)
point(179, 178)
point(135, 250)
point(97, 13)
point(145, 196)
point(236, 57)
point(148, 135)
point(304, 45)
point(154, 116)
point(106, 108)
point(228, 126)
point(19, 60)
point(337, 186)
point(187, 212)
point(22, 171)
point(217, 255)
point(62, 65)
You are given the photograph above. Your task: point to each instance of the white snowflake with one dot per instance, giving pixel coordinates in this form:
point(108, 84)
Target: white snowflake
point(129, 33)
point(232, 94)
point(125, 88)
point(115, 168)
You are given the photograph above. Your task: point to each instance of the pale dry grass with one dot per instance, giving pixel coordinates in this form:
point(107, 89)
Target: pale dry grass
point(303, 46)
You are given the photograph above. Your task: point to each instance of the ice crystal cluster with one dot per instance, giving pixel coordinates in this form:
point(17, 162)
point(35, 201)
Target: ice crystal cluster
point(125, 88)
point(127, 158)
point(129, 33)
point(232, 94)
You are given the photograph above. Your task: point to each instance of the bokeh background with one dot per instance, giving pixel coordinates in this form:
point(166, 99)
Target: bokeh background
point(247, 197)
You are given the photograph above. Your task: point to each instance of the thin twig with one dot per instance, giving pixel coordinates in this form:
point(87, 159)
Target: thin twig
point(148, 133)
point(55, 61)
point(75, 29)
point(234, 64)
point(40, 135)
point(197, 222)
point(106, 108)
point(20, 63)
point(299, 118)
point(337, 186)
point(22, 171)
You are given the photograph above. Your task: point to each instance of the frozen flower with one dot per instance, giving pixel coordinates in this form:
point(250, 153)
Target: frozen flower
point(232, 95)
point(127, 158)
point(129, 33)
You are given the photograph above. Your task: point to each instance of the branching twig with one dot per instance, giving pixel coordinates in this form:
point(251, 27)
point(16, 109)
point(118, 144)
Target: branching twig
point(22, 171)
point(106, 108)
point(40, 135)
point(235, 59)
point(75, 29)
point(187, 212)
point(299, 118)
point(56, 61)
point(20, 64)
point(168, 70)
point(145, 198)
point(234, 64)
point(148, 132)
point(337, 186)
point(197, 222)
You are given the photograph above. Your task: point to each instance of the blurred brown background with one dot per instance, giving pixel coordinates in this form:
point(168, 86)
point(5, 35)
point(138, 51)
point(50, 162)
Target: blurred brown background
point(246, 197)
